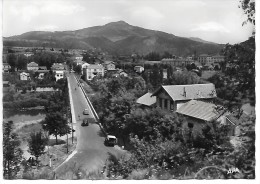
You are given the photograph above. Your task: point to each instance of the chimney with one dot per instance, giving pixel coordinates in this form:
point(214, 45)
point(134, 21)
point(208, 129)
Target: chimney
point(184, 92)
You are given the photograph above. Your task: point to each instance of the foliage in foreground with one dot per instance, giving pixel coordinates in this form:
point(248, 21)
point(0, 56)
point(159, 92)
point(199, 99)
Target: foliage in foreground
point(37, 144)
point(12, 154)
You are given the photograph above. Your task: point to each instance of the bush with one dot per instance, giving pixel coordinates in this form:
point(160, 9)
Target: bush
point(33, 102)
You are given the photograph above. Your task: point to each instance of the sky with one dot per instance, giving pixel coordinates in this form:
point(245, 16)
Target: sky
point(218, 21)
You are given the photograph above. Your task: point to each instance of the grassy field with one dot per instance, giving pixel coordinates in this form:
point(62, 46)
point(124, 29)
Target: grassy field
point(58, 153)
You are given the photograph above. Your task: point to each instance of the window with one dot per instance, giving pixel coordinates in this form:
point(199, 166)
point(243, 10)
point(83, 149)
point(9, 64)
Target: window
point(172, 107)
point(165, 103)
point(160, 102)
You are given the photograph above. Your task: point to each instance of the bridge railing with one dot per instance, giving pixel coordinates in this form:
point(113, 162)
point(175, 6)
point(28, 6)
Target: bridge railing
point(96, 117)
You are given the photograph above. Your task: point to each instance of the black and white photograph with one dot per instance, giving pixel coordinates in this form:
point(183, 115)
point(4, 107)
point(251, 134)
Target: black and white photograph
point(129, 90)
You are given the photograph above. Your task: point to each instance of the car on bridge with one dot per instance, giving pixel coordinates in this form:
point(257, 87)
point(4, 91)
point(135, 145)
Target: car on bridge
point(110, 140)
point(86, 112)
point(85, 122)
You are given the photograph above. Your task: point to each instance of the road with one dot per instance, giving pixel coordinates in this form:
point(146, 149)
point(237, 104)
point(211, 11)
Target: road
point(91, 153)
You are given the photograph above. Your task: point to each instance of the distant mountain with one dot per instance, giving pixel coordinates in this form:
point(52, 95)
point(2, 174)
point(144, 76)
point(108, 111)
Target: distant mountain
point(116, 38)
point(200, 40)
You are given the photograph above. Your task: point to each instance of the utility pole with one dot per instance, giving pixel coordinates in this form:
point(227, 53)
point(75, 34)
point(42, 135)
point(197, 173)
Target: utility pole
point(67, 142)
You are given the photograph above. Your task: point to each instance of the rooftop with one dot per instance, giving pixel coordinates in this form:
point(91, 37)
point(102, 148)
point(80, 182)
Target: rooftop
point(32, 64)
point(42, 68)
point(147, 99)
point(204, 55)
point(189, 92)
point(95, 67)
point(200, 110)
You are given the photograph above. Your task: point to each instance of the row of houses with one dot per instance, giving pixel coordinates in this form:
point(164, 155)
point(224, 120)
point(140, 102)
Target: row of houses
point(210, 60)
point(32, 66)
point(177, 62)
point(57, 68)
point(89, 71)
point(196, 102)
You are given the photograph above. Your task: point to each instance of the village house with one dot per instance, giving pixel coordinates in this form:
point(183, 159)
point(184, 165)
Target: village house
point(152, 62)
point(83, 68)
point(28, 54)
point(58, 67)
point(217, 60)
point(172, 97)
point(78, 57)
point(32, 66)
point(210, 61)
point(122, 73)
point(59, 75)
point(109, 65)
point(176, 62)
point(6, 67)
point(115, 73)
point(93, 70)
point(138, 69)
point(42, 68)
point(147, 100)
point(24, 76)
point(201, 114)
point(202, 59)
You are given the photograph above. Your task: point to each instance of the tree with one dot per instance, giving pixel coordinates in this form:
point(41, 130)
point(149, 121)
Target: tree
point(77, 69)
point(248, 7)
point(153, 56)
point(12, 61)
point(56, 124)
point(22, 62)
point(12, 154)
point(183, 78)
point(36, 144)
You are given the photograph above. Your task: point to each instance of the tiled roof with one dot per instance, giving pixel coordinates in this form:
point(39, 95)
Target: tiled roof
point(84, 65)
point(146, 99)
point(42, 68)
point(23, 73)
point(95, 67)
point(59, 72)
point(194, 91)
point(108, 62)
point(57, 65)
point(200, 110)
point(32, 64)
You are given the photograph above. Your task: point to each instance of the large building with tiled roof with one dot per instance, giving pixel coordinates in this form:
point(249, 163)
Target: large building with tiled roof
point(171, 97)
point(200, 114)
point(32, 66)
point(91, 71)
point(200, 110)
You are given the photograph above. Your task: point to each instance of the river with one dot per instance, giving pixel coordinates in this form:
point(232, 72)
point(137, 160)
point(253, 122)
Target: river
point(22, 118)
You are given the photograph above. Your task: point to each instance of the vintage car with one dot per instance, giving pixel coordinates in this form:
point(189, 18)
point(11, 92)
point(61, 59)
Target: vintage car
point(84, 122)
point(86, 112)
point(110, 140)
